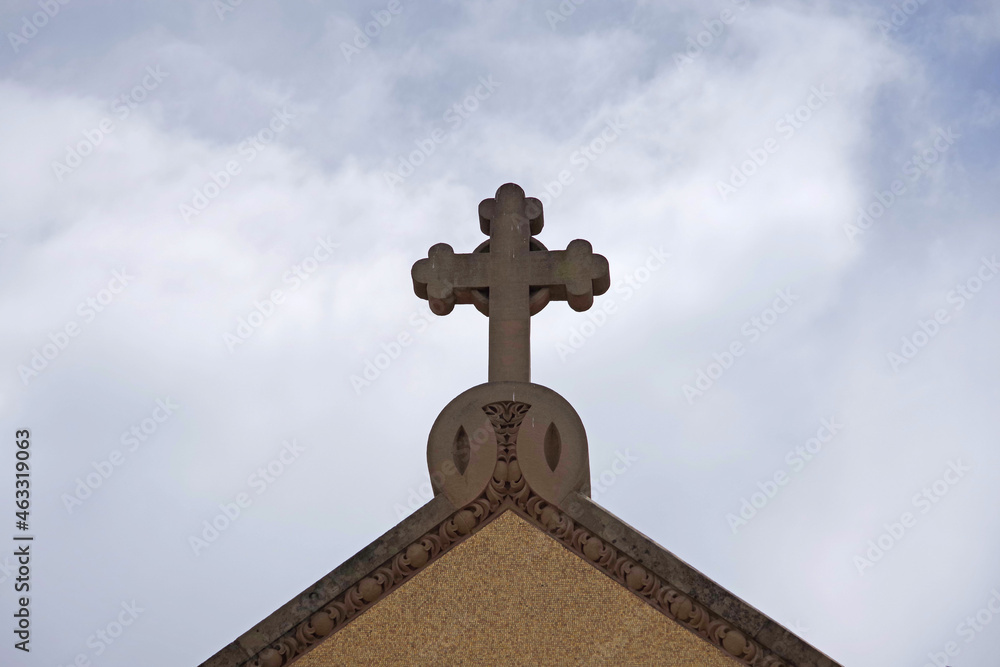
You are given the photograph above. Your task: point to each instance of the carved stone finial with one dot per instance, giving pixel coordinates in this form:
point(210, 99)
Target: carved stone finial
point(509, 278)
point(501, 432)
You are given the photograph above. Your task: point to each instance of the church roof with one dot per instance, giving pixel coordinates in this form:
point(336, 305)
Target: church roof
point(627, 557)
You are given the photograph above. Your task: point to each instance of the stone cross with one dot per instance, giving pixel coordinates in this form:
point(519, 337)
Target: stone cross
point(510, 277)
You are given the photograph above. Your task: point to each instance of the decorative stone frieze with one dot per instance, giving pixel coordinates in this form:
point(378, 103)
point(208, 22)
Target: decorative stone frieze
point(508, 489)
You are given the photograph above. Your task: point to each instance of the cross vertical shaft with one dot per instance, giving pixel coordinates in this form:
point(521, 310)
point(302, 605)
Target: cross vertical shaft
point(510, 316)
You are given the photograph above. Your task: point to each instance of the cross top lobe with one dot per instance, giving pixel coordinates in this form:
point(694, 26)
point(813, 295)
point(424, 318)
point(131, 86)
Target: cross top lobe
point(510, 277)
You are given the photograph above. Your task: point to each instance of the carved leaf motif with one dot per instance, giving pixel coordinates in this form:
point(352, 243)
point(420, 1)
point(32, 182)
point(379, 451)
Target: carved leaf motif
point(321, 624)
point(685, 610)
point(506, 418)
point(774, 661)
point(732, 641)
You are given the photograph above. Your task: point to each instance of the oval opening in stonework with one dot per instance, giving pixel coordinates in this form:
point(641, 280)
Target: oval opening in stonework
point(553, 446)
point(460, 451)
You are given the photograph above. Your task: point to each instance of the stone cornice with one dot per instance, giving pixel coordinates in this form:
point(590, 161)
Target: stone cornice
point(324, 591)
point(647, 570)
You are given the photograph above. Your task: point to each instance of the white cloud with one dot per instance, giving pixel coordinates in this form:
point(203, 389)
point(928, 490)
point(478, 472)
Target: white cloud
point(655, 185)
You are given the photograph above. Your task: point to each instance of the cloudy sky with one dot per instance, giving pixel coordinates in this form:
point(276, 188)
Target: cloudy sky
point(208, 214)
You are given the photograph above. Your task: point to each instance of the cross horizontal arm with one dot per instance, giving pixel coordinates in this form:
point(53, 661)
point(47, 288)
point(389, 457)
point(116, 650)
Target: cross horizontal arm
point(510, 278)
point(575, 274)
point(444, 278)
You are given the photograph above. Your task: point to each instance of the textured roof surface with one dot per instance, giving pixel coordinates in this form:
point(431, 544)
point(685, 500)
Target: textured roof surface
point(629, 559)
